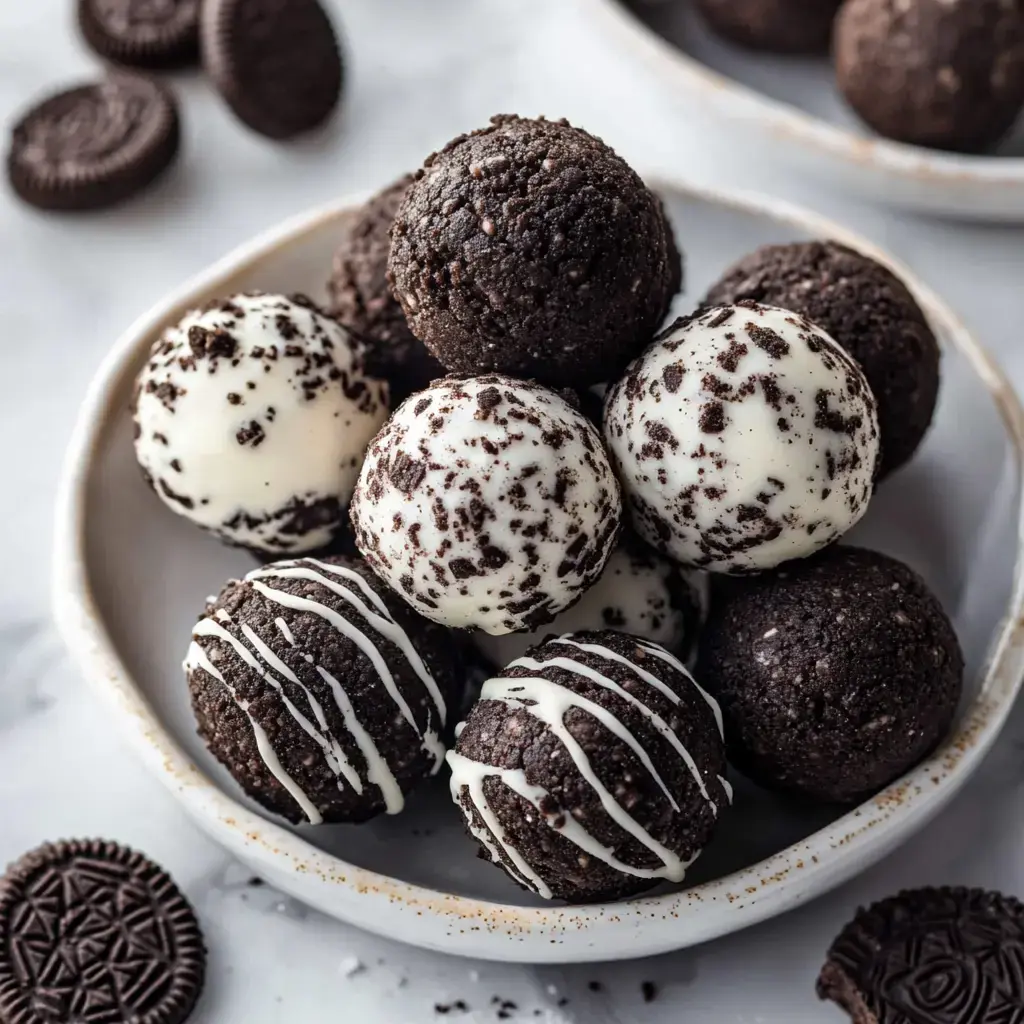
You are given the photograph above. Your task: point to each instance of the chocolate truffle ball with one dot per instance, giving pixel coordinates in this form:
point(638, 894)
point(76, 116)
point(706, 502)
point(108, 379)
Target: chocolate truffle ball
point(779, 26)
point(931, 72)
point(836, 674)
point(361, 299)
point(640, 592)
point(530, 248)
point(487, 503)
point(251, 419)
point(592, 768)
point(743, 437)
point(869, 311)
point(320, 691)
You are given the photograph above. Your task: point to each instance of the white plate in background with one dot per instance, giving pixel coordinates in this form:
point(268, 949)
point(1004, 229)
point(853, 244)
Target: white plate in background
point(130, 579)
point(792, 105)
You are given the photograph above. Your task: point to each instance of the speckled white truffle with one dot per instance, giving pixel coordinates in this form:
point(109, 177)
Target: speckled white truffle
point(251, 419)
point(744, 436)
point(640, 593)
point(487, 502)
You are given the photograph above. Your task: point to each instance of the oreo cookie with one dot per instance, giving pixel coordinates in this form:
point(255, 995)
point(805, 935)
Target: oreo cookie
point(277, 63)
point(934, 956)
point(94, 145)
point(142, 33)
point(93, 932)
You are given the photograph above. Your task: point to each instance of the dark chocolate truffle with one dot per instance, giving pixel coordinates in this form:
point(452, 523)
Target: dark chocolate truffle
point(361, 298)
point(931, 72)
point(780, 26)
point(869, 311)
point(949, 956)
point(530, 248)
point(835, 674)
point(321, 691)
point(592, 768)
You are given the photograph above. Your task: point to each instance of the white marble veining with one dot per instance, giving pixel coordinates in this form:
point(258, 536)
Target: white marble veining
point(420, 72)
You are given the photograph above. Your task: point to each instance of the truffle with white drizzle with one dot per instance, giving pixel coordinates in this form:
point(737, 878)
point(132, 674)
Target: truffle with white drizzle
point(487, 503)
point(321, 692)
point(640, 592)
point(743, 437)
point(251, 419)
point(592, 768)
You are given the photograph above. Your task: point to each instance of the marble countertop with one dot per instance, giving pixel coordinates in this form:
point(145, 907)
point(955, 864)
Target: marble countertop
point(420, 73)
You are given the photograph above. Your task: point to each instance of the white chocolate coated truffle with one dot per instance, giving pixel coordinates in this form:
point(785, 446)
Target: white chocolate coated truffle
point(251, 419)
point(487, 503)
point(743, 437)
point(640, 592)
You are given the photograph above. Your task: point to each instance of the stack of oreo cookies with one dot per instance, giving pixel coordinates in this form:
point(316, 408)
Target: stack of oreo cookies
point(278, 66)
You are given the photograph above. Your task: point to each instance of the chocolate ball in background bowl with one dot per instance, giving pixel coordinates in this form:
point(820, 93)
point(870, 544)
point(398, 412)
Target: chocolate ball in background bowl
point(251, 419)
point(868, 311)
point(779, 26)
point(743, 437)
point(592, 768)
point(835, 674)
point(323, 693)
point(530, 248)
point(640, 593)
point(361, 298)
point(933, 73)
point(487, 503)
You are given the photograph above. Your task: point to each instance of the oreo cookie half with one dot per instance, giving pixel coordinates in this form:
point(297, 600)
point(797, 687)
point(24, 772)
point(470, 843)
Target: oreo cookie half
point(142, 33)
point(94, 145)
point(95, 933)
point(277, 63)
point(930, 956)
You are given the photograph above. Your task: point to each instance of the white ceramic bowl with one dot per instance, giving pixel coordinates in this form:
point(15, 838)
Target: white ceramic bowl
point(793, 105)
point(130, 579)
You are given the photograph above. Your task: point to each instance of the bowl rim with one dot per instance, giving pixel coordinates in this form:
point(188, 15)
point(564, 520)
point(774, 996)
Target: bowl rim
point(479, 928)
point(790, 123)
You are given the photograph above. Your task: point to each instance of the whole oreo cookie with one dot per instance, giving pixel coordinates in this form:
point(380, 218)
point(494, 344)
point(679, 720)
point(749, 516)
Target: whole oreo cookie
point(277, 63)
point(941, 956)
point(94, 145)
point(93, 932)
point(142, 33)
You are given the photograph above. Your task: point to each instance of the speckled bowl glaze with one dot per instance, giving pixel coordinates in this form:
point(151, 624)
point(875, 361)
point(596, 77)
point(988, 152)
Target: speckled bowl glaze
point(130, 578)
point(791, 106)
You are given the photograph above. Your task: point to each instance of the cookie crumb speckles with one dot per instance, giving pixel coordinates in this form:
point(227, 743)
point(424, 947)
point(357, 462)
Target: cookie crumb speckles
point(224, 409)
point(516, 508)
point(948, 954)
point(774, 439)
point(835, 674)
point(640, 592)
point(530, 248)
point(591, 768)
point(322, 693)
point(864, 307)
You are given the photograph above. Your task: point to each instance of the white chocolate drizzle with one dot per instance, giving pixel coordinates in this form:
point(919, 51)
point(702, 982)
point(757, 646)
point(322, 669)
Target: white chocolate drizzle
point(549, 702)
point(262, 660)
